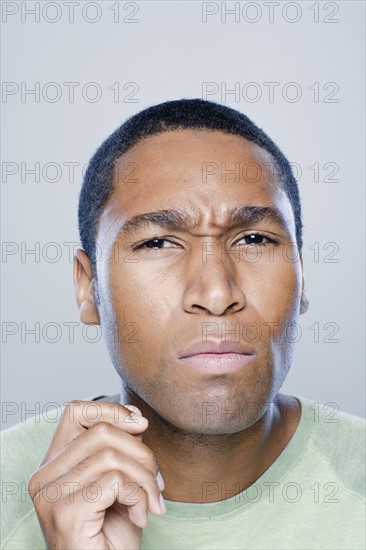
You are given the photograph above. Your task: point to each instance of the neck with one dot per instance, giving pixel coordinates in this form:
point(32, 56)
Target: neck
point(202, 468)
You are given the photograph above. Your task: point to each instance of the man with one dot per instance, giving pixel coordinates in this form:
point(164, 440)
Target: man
point(190, 222)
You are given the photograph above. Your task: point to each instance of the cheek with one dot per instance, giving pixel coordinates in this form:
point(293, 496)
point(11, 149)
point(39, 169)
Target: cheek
point(144, 298)
point(275, 291)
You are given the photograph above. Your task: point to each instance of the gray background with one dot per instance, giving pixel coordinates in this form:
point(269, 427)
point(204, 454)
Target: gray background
point(168, 53)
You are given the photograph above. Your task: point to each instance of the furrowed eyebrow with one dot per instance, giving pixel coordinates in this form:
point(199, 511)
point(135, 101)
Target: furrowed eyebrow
point(250, 215)
point(181, 220)
point(165, 219)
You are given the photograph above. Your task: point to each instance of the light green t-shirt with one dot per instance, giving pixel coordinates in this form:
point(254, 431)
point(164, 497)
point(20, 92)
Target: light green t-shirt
point(311, 497)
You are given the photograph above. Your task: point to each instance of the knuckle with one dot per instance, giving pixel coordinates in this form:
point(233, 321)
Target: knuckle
point(102, 429)
point(33, 485)
point(32, 480)
point(69, 410)
point(41, 503)
point(116, 477)
point(150, 455)
point(147, 480)
point(155, 469)
point(149, 458)
point(71, 405)
point(109, 454)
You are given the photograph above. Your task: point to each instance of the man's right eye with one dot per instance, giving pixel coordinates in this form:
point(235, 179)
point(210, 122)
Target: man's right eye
point(152, 244)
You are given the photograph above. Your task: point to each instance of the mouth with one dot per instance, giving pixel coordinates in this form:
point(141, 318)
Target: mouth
point(219, 363)
point(214, 356)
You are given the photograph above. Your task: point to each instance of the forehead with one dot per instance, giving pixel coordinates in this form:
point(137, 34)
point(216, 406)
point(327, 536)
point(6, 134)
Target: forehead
point(203, 172)
point(175, 148)
point(185, 137)
point(201, 161)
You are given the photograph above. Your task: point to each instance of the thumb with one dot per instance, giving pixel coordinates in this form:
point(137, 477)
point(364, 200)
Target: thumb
point(135, 410)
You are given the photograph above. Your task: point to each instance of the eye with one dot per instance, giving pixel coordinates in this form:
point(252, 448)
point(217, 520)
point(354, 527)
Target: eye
point(256, 238)
point(155, 243)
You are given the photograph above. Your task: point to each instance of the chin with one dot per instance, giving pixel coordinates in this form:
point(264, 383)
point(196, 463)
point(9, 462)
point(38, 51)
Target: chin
point(214, 425)
point(222, 429)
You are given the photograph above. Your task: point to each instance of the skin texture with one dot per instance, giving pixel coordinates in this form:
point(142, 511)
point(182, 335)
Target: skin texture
point(160, 301)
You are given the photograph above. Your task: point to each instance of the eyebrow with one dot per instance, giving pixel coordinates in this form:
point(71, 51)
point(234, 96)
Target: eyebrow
point(181, 220)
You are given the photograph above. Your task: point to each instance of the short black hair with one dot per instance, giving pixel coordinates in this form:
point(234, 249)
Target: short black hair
point(195, 114)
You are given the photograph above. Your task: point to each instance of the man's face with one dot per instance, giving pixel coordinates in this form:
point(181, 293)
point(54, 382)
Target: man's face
point(205, 282)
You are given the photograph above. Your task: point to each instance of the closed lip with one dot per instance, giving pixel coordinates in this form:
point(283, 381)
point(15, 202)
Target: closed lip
point(218, 347)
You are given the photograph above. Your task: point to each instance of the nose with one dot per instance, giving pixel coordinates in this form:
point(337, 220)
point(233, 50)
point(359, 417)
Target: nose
point(212, 287)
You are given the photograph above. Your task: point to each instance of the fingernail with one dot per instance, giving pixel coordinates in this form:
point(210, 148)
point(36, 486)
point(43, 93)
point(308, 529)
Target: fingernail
point(139, 419)
point(133, 409)
point(135, 416)
point(160, 482)
point(162, 503)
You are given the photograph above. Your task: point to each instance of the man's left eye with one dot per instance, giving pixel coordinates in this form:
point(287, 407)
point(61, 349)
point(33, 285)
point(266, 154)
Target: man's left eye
point(255, 238)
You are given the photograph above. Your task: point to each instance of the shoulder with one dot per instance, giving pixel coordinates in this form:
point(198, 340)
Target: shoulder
point(23, 447)
point(339, 438)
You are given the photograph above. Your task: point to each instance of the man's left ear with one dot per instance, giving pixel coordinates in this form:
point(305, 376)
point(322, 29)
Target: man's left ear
point(304, 302)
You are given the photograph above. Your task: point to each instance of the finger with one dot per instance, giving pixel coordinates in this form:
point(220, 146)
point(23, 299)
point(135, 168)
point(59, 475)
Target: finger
point(135, 410)
point(100, 436)
point(88, 504)
point(95, 466)
point(127, 493)
point(79, 416)
point(136, 513)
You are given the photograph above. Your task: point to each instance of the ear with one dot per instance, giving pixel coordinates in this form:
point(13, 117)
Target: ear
point(84, 289)
point(304, 302)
